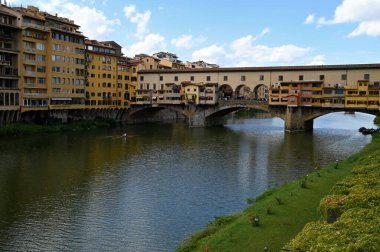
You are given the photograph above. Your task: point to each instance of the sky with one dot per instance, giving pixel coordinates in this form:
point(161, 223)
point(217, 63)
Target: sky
point(232, 33)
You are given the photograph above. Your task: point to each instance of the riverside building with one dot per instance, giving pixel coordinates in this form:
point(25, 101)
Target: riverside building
point(10, 33)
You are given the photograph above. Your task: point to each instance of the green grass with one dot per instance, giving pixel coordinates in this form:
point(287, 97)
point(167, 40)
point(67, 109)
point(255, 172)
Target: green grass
point(279, 222)
point(26, 129)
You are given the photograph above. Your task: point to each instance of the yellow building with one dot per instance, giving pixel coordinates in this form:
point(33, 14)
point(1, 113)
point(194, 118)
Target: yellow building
point(125, 89)
point(52, 61)
point(101, 84)
point(33, 61)
point(10, 32)
point(65, 64)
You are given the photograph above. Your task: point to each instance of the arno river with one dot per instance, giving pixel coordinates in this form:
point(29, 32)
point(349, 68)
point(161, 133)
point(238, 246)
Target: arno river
point(96, 191)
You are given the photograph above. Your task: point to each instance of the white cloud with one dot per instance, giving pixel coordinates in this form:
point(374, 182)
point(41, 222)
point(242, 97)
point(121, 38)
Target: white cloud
point(357, 11)
point(129, 10)
point(150, 44)
point(318, 60)
point(310, 19)
point(140, 19)
point(187, 41)
point(242, 52)
point(370, 28)
point(94, 24)
point(212, 54)
point(363, 12)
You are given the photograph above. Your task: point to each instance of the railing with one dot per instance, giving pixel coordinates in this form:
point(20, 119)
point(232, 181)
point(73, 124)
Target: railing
point(36, 94)
point(31, 50)
point(9, 71)
point(40, 27)
point(30, 73)
point(30, 62)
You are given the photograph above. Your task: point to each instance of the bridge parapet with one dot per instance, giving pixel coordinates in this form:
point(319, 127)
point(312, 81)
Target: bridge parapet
point(243, 102)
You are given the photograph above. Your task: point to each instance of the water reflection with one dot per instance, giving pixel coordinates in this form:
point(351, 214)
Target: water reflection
point(99, 191)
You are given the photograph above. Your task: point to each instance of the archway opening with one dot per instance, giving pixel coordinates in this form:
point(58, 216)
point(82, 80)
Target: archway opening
point(243, 92)
point(261, 92)
point(345, 121)
point(225, 92)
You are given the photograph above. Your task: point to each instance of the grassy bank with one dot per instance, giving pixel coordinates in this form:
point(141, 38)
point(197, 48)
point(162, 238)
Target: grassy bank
point(25, 129)
point(282, 212)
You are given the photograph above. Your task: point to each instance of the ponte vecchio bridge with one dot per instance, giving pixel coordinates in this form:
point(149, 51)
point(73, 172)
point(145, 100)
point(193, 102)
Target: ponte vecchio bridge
point(296, 94)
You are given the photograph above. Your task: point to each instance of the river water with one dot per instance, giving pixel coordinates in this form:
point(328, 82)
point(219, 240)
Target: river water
point(97, 191)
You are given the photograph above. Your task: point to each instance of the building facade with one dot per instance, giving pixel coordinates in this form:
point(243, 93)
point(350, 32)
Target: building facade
point(10, 33)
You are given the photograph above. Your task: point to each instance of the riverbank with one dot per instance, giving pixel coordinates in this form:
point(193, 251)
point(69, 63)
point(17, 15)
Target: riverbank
point(27, 129)
point(281, 212)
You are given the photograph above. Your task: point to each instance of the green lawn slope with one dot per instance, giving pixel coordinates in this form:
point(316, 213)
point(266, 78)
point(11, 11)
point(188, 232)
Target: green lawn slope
point(283, 212)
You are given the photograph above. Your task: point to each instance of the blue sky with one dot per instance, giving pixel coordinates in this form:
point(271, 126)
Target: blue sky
point(232, 33)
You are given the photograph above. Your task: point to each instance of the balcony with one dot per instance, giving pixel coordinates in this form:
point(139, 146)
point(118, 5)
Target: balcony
point(30, 50)
point(30, 73)
point(36, 26)
point(8, 71)
point(30, 62)
point(5, 36)
point(42, 95)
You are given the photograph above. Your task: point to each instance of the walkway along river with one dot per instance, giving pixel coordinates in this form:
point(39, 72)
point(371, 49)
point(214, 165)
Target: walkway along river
point(148, 191)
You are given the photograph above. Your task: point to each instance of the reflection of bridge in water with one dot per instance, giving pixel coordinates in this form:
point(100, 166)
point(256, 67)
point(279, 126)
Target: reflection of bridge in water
point(296, 118)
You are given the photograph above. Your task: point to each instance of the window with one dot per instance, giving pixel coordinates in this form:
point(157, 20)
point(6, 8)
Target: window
point(141, 78)
point(40, 58)
point(300, 77)
point(366, 76)
point(192, 78)
point(40, 69)
point(41, 80)
point(40, 46)
point(175, 78)
point(242, 78)
point(208, 78)
point(225, 78)
point(56, 69)
point(344, 77)
point(161, 78)
point(280, 78)
point(261, 77)
point(321, 77)
point(56, 58)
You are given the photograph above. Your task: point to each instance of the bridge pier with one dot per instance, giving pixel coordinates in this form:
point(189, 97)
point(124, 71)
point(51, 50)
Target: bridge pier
point(295, 119)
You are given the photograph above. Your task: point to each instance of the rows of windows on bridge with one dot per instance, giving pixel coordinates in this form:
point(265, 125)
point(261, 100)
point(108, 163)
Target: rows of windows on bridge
point(261, 77)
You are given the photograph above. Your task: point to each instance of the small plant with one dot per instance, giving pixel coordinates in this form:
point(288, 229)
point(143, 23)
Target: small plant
point(279, 201)
point(250, 201)
point(254, 220)
point(269, 210)
point(303, 184)
point(318, 174)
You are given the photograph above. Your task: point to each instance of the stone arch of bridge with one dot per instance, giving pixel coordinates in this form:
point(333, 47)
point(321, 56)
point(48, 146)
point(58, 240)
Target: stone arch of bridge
point(225, 92)
point(316, 114)
point(224, 109)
